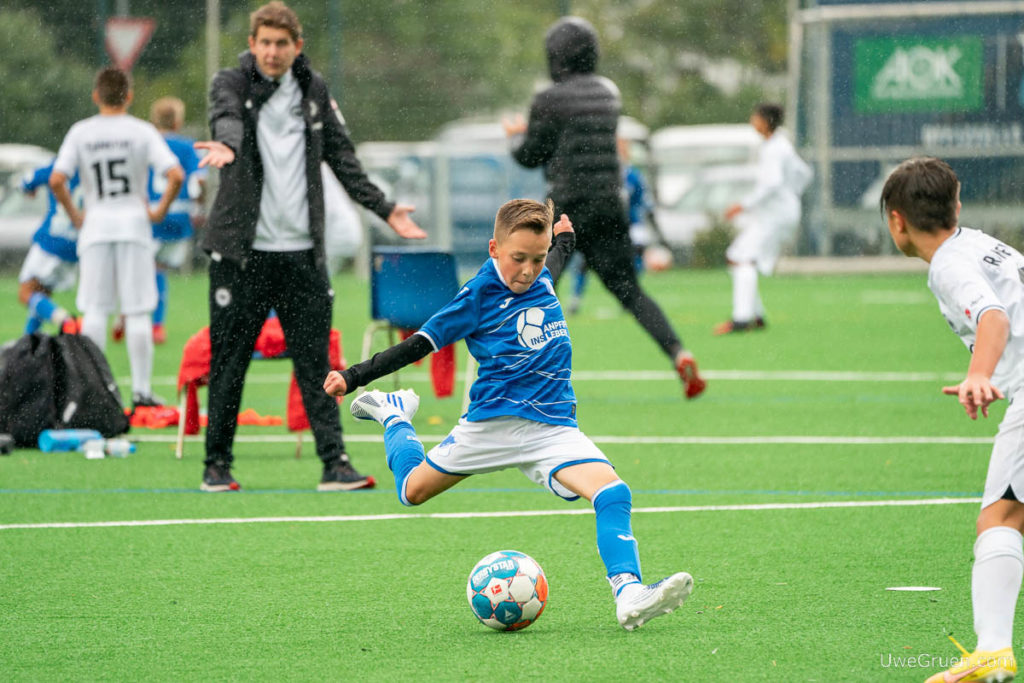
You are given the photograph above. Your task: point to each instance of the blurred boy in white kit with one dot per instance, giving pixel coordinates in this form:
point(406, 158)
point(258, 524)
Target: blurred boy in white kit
point(112, 153)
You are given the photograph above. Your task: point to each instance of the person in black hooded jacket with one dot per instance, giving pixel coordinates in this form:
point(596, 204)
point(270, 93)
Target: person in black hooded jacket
point(571, 133)
point(273, 122)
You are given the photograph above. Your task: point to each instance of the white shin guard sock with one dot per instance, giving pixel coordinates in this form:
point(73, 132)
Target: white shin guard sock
point(744, 292)
point(94, 326)
point(995, 584)
point(138, 337)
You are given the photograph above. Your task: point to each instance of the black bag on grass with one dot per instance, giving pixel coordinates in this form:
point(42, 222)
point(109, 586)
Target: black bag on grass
point(59, 382)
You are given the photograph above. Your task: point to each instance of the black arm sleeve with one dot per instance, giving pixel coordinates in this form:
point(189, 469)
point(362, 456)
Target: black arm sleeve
point(387, 361)
point(558, 255)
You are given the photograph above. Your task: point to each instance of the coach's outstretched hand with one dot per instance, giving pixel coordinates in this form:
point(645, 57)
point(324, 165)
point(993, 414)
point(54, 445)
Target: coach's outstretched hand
point(335, 384)
point(217, 155)
point(563, 225)
point(403, 225)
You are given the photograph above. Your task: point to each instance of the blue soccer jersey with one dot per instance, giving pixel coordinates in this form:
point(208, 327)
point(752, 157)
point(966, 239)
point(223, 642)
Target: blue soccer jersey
point(55, 235)
point(178, 223)
point(521, 342)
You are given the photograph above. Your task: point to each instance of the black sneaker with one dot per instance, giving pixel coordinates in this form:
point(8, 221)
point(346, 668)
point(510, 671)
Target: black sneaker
point(339, 475)
point(217, 478)
point(140, 400)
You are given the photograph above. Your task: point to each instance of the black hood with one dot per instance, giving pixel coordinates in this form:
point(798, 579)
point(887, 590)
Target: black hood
point(571, 45)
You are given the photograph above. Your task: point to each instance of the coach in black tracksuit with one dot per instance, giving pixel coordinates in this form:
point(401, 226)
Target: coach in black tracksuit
point(273, 122)
point(571, 133)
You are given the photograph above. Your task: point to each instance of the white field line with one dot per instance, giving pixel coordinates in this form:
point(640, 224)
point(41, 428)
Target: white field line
point(664, 375)
point(483, 515)
point(668, 440)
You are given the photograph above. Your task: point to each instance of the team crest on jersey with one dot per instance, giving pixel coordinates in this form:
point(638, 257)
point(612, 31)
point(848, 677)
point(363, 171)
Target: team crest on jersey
point(530, 328)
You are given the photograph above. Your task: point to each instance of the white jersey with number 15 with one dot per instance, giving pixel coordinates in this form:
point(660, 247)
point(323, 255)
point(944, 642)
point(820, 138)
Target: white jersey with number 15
point(112, 155)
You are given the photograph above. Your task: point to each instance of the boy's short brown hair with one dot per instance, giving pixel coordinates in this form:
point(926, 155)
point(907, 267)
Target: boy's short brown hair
point(276, 14)
point(112, 86)
point(523, 214)
point(925, 190)
point(167, 113)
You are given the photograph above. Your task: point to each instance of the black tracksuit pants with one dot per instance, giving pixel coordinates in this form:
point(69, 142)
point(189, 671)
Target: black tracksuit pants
point(602, 236)
point(240, 299)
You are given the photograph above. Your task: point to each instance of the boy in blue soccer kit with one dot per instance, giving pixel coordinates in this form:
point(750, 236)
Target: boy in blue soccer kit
point(522, 410)
point(51, 263)
point(978, 283)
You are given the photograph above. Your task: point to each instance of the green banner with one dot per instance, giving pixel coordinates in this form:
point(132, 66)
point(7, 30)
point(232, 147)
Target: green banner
point(914, 73)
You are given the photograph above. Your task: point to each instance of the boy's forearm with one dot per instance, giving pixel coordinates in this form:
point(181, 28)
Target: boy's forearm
point(174, 181)
point(384, 363)
point(59, 187)
point(990, 341)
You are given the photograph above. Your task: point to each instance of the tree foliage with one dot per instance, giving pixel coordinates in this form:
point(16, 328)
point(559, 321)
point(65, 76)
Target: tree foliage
point(406, 66)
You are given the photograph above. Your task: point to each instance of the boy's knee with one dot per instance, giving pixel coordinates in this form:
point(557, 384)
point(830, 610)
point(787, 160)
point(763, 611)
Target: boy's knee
point(615, 493)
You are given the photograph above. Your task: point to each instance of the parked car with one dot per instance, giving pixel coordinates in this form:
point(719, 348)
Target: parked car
point(703, 204)
point(680, 153)
point(16, 158)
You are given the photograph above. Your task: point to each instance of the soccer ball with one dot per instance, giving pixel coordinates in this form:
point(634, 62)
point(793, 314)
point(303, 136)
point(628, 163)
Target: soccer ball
point(528, 328)
point(507, 590)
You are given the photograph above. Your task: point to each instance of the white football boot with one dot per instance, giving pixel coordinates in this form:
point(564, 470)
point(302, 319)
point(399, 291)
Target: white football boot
point(385, 407)
point(637, 604)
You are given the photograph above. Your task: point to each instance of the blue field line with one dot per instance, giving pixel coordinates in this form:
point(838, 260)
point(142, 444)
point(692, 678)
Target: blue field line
point(533, 490)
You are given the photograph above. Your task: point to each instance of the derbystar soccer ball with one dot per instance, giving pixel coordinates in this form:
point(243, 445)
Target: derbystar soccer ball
point(507, 590)
point(528, 328)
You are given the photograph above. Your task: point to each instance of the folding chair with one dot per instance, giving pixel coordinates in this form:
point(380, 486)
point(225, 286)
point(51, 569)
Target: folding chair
point(407, 286)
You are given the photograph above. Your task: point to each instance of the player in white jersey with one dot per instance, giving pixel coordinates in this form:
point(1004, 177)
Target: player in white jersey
point(112, 153)
point(979, 282)
point(766, 218)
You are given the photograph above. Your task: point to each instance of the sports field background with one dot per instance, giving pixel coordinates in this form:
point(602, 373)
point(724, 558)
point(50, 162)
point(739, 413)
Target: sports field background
point(844, 470)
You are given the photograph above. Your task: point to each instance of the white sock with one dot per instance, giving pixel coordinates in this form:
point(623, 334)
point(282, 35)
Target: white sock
point(94, 326)
point(620, 581)
point(995, 584)
point(744, 292)
point(138, 338)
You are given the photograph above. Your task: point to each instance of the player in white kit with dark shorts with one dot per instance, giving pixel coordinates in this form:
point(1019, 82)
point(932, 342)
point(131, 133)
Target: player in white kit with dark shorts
point(112, 153)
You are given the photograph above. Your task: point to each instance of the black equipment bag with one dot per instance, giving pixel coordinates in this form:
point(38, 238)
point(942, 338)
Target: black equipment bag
point(59, 382)
point(86, 393)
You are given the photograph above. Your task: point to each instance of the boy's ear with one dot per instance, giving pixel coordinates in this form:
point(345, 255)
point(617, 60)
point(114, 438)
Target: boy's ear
point(492, 248)
point(96, 97)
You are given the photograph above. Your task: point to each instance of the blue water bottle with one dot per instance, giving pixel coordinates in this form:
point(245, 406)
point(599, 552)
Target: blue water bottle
point(52, 440)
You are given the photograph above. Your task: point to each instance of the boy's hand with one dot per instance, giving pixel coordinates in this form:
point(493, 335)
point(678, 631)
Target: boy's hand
point(733, 211)
point(77, 218)
point(563, 225)
point(975, 392)
point(514, 126)
point(335, 384)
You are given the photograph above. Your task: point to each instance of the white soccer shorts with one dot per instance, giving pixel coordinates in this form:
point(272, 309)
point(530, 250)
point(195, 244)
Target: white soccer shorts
point(117, 277)
point(52, 272)
point(539, 450)
point(1006, 465)
point(759, 242)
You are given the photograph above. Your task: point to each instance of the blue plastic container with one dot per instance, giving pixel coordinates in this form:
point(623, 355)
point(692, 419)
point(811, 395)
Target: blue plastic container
point(53, 440)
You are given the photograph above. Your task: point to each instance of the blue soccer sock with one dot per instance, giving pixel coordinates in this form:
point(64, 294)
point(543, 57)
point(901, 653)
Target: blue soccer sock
point(41, 306)
point(613, 505)
point(160, 313)
point(32, 323)
point(404, 453)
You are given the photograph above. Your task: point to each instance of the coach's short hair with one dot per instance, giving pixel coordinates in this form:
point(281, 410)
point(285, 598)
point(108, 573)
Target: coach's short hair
point(276, 14)
point(167, 113)
point(771, 113)
point(112, 86)
point(523, 214)
point(926, 191)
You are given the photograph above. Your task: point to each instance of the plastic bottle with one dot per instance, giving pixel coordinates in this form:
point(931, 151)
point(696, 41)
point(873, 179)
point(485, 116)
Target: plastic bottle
point(118, 448)
point(51, 440)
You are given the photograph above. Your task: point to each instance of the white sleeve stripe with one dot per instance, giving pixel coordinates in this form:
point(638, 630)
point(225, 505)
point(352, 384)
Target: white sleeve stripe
point(433, 344)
